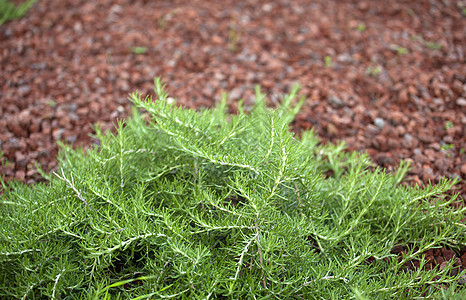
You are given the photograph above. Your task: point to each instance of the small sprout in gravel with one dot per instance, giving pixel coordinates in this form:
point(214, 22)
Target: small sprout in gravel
point(3, 160)
point(415, 37)
point(446, 147)
point(361, 27)
point(433, 45)
point(373, 70)
point(399, 50)
point(138, 50)
point(328, 61)
point(448, 125)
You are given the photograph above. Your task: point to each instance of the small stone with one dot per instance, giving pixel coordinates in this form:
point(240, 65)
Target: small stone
point(24, 117)
point(335, 101)
point(58, 133)
point(73, 116)
point(430, 259)
point(463, 170)
point(438, 101)
point(400, 130)
point(380, 123)
point(454, 271)
point(442, 164)
point(20, 175)
point(407, 140)
point(431, 154)
point(236, 93)
point(457, 261)
point(363, 6)
point(21, 159)
point(31, 172)
point(380, 143)
point(24, 90)
point(435, 146)
point(384, 160)
point(45, 127)
point(448, 254)
point(82, 111)
point(39, 66)
point(419, 158)
point(72, 139)
point(15, 144)
point(345, 58)
point(332, 129)
point(448, 139)
point(267, 7)
point(461, 101)
point(439, 260)
point(428, 173)
point(393, 143)
point(403, 96)
point(17, 130)
point(35, 126)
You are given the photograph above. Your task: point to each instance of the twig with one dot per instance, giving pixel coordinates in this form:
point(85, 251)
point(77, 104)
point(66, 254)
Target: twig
point(128, 241)
point(327, 278)
point(260, 255)
point(55, 284)
point(71, 185)
point(242, 256)
point(20, 252)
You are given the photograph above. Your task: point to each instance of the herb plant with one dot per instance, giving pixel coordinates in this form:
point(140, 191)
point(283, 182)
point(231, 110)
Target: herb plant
point(200, 204)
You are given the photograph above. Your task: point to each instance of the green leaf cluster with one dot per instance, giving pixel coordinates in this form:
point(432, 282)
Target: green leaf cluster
point(9, 11)
point(203, 205)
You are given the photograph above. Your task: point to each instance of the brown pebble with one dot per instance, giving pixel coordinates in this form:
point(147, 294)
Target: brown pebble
point(21, 159)
point(463, 169)
point(439, 260)
point(442, 164)
point(332, 129)
point(20, 175)
point(448, 254)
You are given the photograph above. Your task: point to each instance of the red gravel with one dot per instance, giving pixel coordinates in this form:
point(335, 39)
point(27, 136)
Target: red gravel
point(388, 77)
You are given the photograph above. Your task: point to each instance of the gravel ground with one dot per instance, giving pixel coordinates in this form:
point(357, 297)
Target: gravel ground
point(387, 77)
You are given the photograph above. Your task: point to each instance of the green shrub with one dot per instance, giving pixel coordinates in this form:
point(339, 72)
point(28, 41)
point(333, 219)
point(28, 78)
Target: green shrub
point(9, 11)
point(200, 204)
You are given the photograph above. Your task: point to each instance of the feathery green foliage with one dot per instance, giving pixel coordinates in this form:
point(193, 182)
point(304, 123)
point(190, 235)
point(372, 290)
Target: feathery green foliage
point(200, 204)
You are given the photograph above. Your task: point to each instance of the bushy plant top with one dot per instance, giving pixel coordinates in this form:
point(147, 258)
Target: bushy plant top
point(204, 205)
